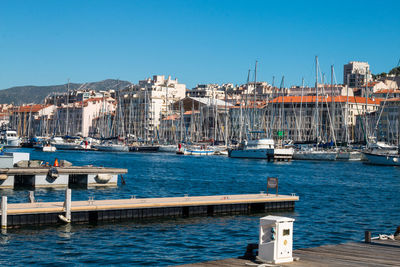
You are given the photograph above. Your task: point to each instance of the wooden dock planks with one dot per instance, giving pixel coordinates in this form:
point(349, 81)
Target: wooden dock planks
point(20, 208)
point(377, 253)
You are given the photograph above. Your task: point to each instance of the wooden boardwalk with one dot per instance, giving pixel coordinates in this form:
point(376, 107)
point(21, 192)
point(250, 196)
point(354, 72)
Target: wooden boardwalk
point(139, 208)
point(377, 253)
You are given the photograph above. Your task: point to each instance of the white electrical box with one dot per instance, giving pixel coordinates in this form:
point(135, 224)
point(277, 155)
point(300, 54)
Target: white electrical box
point(276, 239)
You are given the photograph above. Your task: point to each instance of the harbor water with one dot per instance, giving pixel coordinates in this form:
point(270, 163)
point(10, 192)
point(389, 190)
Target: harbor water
point(338, 202)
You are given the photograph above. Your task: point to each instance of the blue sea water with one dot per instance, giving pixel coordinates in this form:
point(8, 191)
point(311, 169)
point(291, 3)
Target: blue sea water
point(338, 202)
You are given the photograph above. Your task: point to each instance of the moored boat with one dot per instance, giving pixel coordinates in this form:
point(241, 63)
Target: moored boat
point(351, 155)
point(254, 149)
point(111, 147)
point(9, 138)
point(199, 151)
point(387, 159)
point(327, 155)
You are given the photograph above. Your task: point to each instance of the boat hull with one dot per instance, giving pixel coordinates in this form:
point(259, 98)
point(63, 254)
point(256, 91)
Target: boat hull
point(199, 152)
point(114, 148)
point(349, 155)
point(168, 148)
point(12, 143)
point(144, 148)
point(382, 159)
point(315, 155)
point(251, 153)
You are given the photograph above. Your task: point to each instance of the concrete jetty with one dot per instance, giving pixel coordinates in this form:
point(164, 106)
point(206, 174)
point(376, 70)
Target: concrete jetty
point(17, 170)
point(92, 211)
point(38, 177)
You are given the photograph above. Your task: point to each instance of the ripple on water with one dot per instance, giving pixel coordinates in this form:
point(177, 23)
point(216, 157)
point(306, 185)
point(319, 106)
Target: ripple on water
point(338, 202)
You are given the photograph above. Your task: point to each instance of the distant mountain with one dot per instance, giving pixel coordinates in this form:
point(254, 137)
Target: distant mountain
point(36, 94)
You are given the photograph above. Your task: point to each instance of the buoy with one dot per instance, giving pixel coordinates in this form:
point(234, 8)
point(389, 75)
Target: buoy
point(56, 163)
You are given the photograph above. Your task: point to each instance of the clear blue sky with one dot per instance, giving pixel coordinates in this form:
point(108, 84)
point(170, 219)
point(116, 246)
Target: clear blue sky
point(47, 42)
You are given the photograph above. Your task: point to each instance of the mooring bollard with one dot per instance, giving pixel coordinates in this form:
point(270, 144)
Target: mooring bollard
point(68, 204)
point(31, 197)
point(367, 237)
point(3, 212)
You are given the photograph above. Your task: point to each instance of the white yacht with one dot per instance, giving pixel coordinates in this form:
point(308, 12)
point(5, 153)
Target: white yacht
point(254, 149)
point(312, 154)
point(111, 147)
point(60, 144)
point(10, 138)
point(388, 159)
point(198, 151)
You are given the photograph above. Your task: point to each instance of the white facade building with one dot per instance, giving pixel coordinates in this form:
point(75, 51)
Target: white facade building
point(144, 105)
point(356, 74)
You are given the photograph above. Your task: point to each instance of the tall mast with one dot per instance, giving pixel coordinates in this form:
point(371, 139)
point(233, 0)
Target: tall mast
point(255, 92)
point(301, 107)
point(316, 100)
point(282, 109)
point(347, 110)
point(66, 121)
point(366, 106)
point(246, 107)
point(333, 105)
point(226, 120)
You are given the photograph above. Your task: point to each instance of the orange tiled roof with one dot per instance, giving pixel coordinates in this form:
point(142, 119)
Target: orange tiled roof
point(171, 118)
point(397, 99)
point(31, 108)
point(337, 99)
point(385, 91)
point(190, 112)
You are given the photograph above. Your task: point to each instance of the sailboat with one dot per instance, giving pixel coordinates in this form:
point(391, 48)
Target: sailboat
point(281, 152)
point(261, 148)
point(314, 153)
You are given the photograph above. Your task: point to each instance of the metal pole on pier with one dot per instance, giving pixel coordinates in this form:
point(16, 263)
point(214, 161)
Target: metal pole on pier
point(3, 212)
point(68, 204)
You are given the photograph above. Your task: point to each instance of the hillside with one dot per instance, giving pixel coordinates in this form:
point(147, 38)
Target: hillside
point(36, 94)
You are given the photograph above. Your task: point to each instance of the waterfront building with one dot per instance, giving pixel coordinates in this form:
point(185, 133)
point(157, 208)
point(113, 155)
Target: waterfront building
point(387, 129)
point(203, 118)
point(143, 106)
point(5, 110)
point(207, 91)
point(79, 95)
point(301, 120)
point(78, 118)
point(387, 93)
point(33, 119)
point(323, 89)
point(356, 74)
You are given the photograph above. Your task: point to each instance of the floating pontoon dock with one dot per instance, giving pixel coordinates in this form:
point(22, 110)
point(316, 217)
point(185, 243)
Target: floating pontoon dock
point(86, 176)
point(92, 211)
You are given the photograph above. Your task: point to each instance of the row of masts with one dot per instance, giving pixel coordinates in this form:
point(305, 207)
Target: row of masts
point(135, 120)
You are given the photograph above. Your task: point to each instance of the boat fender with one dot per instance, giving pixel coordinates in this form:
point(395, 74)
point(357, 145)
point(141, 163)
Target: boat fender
point(395, 159)
point(3, 177)
point(103, 178)
point(63, 218)
point(53, 173)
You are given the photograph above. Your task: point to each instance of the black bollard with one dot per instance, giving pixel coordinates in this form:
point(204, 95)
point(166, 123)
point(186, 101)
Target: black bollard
point(367, 237)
